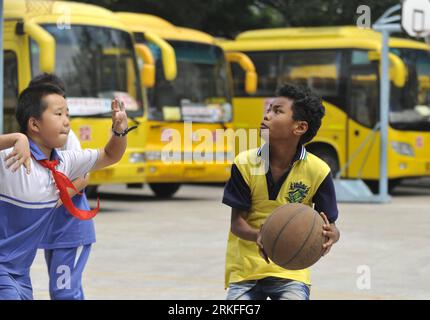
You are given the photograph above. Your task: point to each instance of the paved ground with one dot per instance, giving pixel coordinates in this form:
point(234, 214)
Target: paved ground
point(174, 249)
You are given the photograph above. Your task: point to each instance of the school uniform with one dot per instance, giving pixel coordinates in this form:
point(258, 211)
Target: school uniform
point(67, 245)
point(252, 188)
point(27, 207)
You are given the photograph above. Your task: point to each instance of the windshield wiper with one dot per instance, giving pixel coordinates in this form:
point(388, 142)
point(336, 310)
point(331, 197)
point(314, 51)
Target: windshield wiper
point(93, 115)
point(134, 120)
point(104, 114)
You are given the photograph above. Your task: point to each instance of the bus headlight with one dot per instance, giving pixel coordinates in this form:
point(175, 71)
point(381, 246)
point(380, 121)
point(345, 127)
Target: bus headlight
point(153, 155)
point(403, 148)
point(136, 157)
point(227, 112)
point(224, 156)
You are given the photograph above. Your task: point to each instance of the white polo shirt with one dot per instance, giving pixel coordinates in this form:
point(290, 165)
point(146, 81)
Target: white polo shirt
point(66, 231)
point(27, 201)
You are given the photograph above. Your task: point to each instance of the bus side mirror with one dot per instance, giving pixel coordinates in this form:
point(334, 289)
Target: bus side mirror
point(147, 70)
point(251, 82)
point(398, 69)
point(46, 44)
point(246, 64)
point(167, 53)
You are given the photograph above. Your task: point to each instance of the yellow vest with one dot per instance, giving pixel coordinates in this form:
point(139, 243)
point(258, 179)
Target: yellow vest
point(243, 261)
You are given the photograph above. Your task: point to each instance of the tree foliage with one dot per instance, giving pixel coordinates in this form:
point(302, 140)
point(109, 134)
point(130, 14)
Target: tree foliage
point(226, 18)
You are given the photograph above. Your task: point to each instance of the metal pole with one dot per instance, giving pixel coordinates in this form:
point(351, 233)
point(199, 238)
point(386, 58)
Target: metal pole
point(1, 66)
point(384, 113)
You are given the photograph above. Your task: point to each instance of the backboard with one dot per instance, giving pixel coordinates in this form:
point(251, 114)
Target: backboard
point(416, 17)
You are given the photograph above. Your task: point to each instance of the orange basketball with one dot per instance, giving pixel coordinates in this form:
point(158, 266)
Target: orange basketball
point(292, 236)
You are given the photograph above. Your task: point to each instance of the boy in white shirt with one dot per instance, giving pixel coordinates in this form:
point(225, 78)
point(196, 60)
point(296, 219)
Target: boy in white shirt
point(28, 199)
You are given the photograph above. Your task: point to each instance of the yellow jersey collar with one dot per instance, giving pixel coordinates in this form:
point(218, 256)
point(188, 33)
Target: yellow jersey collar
point(300, 153)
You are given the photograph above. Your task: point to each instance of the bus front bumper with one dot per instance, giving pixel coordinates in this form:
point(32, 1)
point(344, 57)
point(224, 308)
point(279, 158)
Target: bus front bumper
point(158, 172)
point(119, 174)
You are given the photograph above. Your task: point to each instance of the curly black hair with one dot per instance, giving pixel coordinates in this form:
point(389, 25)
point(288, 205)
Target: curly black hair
point(307, 106)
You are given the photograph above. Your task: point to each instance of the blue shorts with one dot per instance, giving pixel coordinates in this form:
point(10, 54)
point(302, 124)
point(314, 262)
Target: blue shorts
point(65, 267)
point(13, 287)
point(270, 287)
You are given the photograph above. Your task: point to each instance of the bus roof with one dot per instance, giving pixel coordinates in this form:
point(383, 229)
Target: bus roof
point(140, 22)
point(307, 33)
point(57, 12)
point(314, 38)
point(406, 43)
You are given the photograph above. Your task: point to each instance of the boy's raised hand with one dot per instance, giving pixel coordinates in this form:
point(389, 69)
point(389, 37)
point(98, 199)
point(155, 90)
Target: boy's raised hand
point(20, 155)
point(119, 116)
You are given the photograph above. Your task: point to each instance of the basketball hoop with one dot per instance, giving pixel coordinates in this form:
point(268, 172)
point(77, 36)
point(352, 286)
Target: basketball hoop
point(39, 6)
point(416, 18)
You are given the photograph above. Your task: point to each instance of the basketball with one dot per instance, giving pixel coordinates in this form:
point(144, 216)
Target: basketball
point(292, 236)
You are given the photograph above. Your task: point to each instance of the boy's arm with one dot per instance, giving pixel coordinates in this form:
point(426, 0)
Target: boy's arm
point(80, 184)
point(20, 154)
point(115, 148)
point(241, 228)
point(326, 205)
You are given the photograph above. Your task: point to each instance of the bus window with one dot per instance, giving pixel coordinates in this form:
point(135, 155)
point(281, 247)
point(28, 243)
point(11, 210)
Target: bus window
point(10, 82)
point(363, 89)
point(201, 83)
point(423, 73)
point(410, 107)
point(360, 57)
point(96, 64)
point(320, 70)
point(266, 66)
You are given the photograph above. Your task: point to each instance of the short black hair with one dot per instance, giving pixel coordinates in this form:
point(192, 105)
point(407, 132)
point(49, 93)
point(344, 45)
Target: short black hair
point(49, 78)
point(307, 106)
point(30, 103)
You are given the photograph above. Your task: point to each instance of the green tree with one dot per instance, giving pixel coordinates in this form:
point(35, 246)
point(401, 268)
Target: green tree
point(226, 18)
point(326, 13)
point(223, 18)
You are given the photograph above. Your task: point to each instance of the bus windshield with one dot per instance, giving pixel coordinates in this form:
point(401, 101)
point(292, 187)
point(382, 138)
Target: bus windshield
point(410, 105)
point(97, 64)
point(199, 93)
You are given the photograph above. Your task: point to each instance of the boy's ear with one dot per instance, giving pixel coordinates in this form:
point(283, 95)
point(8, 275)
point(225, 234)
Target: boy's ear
point(301, 128)
point(33, 125)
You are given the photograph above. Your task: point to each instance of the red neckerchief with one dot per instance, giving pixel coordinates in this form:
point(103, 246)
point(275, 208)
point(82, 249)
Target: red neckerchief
point(62, 183)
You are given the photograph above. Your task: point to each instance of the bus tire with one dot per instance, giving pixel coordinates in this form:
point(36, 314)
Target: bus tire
point(91, 191)
point(328, 155)
point(134, 185)
point(164, 190)
point(374, 185)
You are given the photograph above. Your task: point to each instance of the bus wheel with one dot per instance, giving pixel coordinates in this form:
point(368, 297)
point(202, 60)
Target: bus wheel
point(374, 185)
point(134, 185)
point(164, 190)
point(328, 156)
point(91, 191)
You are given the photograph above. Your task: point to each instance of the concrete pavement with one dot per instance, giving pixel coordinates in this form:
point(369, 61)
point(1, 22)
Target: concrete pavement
point(174, 249)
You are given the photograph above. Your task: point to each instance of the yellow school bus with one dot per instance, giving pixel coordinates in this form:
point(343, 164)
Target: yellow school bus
point(92, 51)
point(342, 64)
point(190, 100)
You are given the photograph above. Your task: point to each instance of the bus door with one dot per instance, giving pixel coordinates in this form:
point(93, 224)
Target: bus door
point(363, 115)
point(16, 74)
